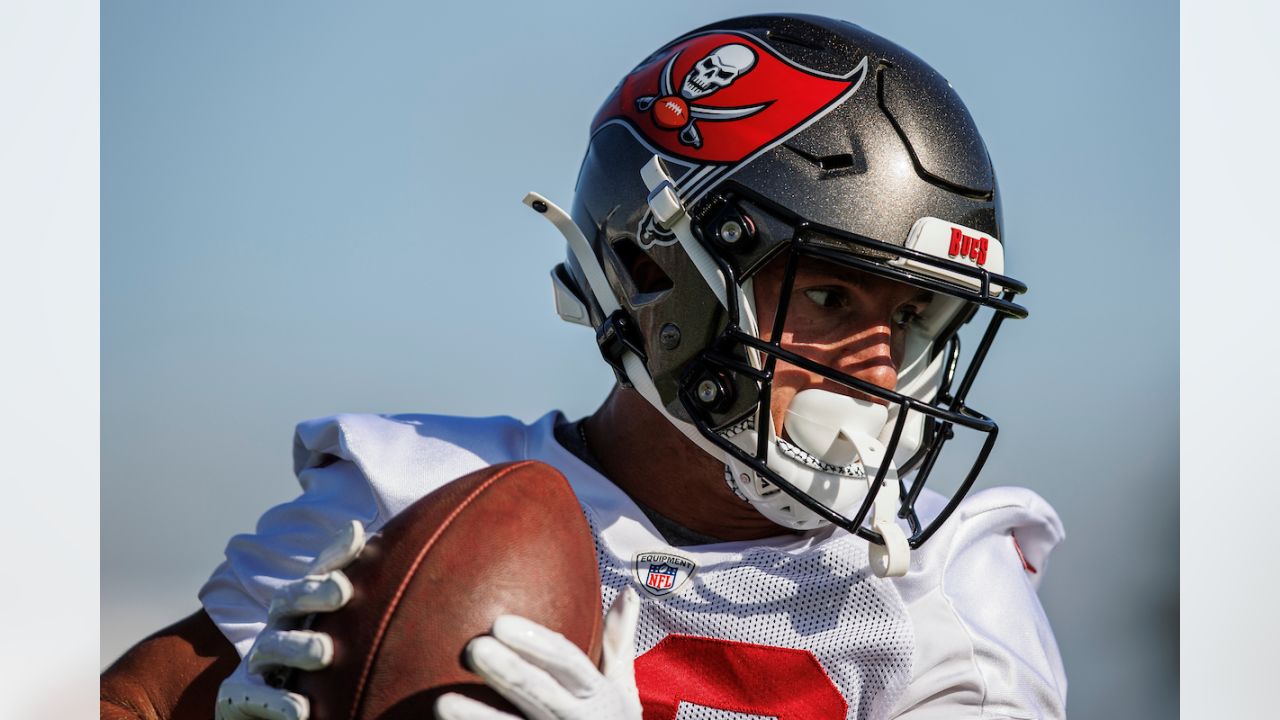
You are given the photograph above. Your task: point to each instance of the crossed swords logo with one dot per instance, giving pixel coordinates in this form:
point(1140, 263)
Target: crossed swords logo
point(716, 71)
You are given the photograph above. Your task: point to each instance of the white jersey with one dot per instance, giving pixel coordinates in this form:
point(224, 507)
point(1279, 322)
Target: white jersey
point(795, 626)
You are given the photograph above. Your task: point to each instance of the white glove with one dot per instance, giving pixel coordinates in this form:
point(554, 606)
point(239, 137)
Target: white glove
point(548, 677)
point(282, 646)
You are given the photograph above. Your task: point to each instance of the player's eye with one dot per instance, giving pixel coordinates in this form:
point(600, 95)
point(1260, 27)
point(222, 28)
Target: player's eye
point(905, 316)
point(826, 297)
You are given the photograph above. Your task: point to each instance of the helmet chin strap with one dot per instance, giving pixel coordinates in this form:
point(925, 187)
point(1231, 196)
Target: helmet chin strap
point(670, 213)
point(889, 560)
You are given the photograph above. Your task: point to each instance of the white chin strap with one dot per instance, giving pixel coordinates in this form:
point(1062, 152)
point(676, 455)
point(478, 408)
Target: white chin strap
point(849, 428)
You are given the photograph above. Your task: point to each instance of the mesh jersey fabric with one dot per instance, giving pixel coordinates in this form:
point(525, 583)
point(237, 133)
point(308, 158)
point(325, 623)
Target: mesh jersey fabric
point(793, 626)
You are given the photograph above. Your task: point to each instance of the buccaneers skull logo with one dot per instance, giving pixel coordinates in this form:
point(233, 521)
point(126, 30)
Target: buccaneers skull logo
point(721, 98)
point(717, 70)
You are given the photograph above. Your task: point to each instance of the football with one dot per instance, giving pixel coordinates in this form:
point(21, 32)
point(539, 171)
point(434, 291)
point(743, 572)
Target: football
point(510, 538)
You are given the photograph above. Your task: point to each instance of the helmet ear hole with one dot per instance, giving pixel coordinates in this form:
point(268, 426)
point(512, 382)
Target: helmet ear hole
point(647, 277)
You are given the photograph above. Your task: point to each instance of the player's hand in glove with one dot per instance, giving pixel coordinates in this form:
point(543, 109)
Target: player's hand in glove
point(548, 677)
point(282, 646)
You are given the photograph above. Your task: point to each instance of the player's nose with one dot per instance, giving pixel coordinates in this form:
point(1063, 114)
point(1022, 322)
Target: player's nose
point(882, 376)
point(872, 361)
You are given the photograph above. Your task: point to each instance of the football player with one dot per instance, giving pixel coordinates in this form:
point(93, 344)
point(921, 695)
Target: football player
point(782, 228)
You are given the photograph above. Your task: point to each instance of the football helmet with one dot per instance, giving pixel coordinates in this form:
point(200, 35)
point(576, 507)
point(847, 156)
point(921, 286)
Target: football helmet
point(790, 138)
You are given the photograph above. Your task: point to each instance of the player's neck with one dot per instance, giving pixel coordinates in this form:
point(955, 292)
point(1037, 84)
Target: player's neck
point(659, 467)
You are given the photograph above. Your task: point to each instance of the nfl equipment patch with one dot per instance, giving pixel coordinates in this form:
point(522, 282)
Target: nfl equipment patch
point(661, 573)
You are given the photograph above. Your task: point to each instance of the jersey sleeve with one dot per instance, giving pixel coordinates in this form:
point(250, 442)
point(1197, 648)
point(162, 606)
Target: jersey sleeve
point(361, 467)
point(984, 648)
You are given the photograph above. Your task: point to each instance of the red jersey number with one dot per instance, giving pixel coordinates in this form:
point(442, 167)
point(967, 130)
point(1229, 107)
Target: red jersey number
point(740, 677)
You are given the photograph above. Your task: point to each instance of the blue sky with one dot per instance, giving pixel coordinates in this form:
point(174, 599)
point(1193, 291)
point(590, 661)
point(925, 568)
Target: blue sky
point(313, 207)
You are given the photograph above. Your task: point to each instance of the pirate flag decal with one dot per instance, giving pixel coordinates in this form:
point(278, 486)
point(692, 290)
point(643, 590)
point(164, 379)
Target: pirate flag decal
point(722, 99)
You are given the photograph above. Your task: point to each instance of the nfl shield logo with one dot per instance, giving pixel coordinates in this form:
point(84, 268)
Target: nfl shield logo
point(661, 573)
point(661, 577)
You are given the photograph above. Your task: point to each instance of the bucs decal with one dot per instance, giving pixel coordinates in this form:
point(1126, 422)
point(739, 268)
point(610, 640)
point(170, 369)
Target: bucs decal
point(721, 97)
point(974, 248)
point(714, 102)
point(717, 70)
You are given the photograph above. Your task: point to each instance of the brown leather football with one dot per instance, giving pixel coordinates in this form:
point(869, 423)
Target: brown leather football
point(510, 538)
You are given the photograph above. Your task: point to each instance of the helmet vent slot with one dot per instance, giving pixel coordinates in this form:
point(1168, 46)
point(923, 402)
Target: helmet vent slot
point(844, 162)
point(646, 276)
point(836, 162)
point(777, 37)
